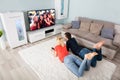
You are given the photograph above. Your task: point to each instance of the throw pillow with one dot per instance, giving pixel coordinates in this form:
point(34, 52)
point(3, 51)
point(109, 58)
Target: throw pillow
point(95, 28)
point(116, 40)
point(107, 33)
point(117, 29)
point(75, 24)
point(84, 26)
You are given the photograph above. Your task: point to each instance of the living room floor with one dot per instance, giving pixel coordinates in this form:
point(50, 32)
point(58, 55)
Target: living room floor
point(12, 67)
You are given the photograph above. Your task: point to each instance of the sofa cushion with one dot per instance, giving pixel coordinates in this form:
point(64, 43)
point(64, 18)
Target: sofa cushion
point(67, 26)
point(107, 33)
point(93, 38)
point(81, 33)
point(76, 32)
point(117, 29)
point(90, 37)
point(108, 42)
point(95, 28)
point(84, 26)
point(75, 24)
point(116, 40)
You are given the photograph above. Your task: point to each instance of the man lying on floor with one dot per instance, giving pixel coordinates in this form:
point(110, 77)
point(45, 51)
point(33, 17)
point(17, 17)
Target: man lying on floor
point(78, 50)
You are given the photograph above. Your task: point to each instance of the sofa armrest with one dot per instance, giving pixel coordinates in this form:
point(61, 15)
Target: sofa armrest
point(116, 40)
point(67, 26)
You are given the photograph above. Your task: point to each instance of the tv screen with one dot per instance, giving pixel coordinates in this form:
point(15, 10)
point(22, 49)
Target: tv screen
point(41, 18)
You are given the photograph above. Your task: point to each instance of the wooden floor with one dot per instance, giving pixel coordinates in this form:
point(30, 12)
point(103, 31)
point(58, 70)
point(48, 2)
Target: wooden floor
point(12, 67)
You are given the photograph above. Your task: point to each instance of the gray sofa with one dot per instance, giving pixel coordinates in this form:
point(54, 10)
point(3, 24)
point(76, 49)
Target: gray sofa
point(90, 31)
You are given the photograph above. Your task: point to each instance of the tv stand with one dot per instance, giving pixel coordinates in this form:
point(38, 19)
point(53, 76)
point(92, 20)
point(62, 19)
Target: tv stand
point(37, 35)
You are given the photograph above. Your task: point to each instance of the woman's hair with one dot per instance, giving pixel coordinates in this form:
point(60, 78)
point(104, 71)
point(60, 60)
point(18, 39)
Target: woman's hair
point(68, 35)
point(60, 39)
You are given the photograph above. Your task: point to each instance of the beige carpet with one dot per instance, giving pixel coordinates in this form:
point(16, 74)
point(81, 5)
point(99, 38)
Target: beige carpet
point(48, 67)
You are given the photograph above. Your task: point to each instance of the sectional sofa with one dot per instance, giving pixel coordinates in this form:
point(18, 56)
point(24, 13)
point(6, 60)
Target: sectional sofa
point(90, 31)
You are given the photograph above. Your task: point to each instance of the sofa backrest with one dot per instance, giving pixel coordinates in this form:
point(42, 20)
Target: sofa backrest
point(99, 27)
point(105, 23)
point(84, 19)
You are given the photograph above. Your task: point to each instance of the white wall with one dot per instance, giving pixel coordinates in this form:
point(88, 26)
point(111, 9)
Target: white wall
point(108, 10)
point(17, 5)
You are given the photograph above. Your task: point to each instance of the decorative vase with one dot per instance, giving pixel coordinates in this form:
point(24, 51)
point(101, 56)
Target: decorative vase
point(61, 7)
point(2, 43)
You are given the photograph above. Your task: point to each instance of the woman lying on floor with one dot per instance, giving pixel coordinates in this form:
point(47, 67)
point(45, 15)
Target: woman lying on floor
point(72, 62)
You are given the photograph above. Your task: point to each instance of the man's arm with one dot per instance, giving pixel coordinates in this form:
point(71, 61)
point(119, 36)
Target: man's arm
point(67, 45)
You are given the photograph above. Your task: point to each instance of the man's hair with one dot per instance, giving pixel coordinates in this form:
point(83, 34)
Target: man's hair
point(68, 35)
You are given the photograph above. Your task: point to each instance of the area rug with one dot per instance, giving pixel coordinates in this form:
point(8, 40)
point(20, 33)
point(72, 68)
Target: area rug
point(48, 67)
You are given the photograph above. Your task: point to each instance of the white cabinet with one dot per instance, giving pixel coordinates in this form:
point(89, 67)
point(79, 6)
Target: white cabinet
point(14, 26)
point(43, 33)
point(2, 43)
point(35, 35)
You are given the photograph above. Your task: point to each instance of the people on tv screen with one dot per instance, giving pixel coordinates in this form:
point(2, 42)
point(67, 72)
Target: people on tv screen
point(41, 18)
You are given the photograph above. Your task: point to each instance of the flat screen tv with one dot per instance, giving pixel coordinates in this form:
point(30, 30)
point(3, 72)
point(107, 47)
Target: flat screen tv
point(41, 18)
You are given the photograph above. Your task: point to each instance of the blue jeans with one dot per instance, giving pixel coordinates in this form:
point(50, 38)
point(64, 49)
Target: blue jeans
point(75, 65)
point(95, 58)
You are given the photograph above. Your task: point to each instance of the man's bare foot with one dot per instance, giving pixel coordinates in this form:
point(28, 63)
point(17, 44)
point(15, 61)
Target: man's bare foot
point(99, 44)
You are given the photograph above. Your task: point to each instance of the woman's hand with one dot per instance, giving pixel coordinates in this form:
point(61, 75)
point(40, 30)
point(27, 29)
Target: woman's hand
point(53, 52)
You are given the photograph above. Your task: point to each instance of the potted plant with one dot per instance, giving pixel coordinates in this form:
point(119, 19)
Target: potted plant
point(2, 43)
point(1, 33)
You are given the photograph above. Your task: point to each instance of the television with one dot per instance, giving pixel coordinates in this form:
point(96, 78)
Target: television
point(41, 18)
